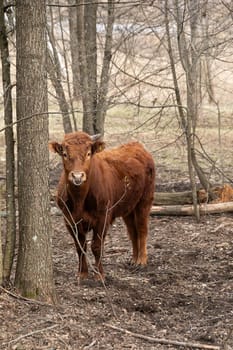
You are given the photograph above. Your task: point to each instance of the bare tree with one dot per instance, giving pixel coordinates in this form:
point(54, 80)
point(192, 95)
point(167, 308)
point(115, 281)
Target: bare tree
point(34, 277)
point(54, 72)
point(190, 51)
point(93, 94)
point(1, 255)
point(105, 73)
point(74, 51)
point(9, 138)
point(55, 75)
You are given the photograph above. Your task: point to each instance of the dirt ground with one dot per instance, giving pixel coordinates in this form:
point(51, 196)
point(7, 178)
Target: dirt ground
point(182, 299)
point(184, 295)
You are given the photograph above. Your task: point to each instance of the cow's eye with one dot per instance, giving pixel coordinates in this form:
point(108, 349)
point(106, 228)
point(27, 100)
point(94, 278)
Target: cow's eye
point(64, 154)
point(89, 154)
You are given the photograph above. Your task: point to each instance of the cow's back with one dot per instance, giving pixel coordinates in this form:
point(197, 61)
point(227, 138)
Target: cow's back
point(132, 160)
point(126, 174)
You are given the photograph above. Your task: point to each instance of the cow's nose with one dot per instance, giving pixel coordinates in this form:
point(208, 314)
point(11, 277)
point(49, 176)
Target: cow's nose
point(78, 177)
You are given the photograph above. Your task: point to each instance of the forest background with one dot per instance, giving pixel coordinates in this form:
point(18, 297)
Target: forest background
point(156, 71)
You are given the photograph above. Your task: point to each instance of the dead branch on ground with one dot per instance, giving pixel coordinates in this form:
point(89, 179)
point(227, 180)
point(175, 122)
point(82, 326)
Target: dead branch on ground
point(164, 340)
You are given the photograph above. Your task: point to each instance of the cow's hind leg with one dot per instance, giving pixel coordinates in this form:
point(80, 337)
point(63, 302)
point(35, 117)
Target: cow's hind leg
point(132, 232)
point(141, 222)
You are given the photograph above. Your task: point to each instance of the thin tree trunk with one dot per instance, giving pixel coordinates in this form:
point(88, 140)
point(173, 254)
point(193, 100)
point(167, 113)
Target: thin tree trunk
point(54, 71)
point(1, 255)
point(9, 139)
point(191, 116)
point(83, 70)
point(192, 79)
point(90, 13)
point(208, 54)
point(74, 51)
point(105, 75)
point(34, 273)
point(93, 96)
point(67, 71)
point(185, 122)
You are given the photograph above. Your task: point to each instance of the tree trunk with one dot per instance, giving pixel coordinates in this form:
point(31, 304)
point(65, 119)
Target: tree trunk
point(189, 56)
point(105, 74)
point(189, 63)
point(90, 13)
point(88, 125)
point(184, 117)
point(93, 96)
point(34, 277)
point(1, 255)
point(54, 71)
point(10, 161)
point(74, 51)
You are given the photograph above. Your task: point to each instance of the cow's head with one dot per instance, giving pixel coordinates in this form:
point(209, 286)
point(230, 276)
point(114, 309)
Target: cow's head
point(76, 151)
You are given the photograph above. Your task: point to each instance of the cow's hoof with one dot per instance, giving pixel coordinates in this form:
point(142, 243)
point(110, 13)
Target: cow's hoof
point(99, 277)
point(132, 262)
point(141, 261)
point(83, 275)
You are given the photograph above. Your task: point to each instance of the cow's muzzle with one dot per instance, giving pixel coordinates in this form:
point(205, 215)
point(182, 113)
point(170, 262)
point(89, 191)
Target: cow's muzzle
point(77, 177)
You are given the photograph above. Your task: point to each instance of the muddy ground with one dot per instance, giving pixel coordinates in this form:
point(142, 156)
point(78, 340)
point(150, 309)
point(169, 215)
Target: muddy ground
point(184, 295)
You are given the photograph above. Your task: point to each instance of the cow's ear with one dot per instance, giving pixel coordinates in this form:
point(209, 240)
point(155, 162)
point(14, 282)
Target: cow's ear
point(55, 147)
point(98, 146)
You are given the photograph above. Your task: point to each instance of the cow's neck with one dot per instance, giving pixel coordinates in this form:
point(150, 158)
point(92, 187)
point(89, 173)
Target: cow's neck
point(78, 194)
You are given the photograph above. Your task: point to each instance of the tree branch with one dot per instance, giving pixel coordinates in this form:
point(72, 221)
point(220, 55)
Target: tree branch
point(165, 341)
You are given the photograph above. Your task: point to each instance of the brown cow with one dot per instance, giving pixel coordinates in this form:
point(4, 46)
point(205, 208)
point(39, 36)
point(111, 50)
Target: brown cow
point(98, 185)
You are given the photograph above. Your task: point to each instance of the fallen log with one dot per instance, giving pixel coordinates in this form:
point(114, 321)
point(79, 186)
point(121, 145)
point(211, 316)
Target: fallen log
point(173, 198)
point(179, 210)
point(224, 193)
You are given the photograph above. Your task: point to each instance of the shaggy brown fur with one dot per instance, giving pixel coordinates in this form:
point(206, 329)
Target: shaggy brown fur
point(97, 185)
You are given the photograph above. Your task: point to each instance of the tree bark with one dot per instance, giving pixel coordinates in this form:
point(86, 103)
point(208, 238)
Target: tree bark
point(173, 198)
point(90, 16)
point(93, 94)
point(34, 274)
point(74, 51)
point(1, 254)
point(189, 62)
point(10, 160)
point(88, 125)
point(184, 117)
point(54, 71)
point(105, 74)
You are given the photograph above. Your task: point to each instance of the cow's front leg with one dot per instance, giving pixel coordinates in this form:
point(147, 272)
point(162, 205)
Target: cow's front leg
point(79, 237)
point(97, 247)
point(81, 249)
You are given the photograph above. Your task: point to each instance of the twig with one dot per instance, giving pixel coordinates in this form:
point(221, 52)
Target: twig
point(90, 345)
point(165, 341)
point(29, 334)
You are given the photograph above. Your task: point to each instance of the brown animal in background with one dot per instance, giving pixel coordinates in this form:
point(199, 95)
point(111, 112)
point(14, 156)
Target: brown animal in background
point(98, 185)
